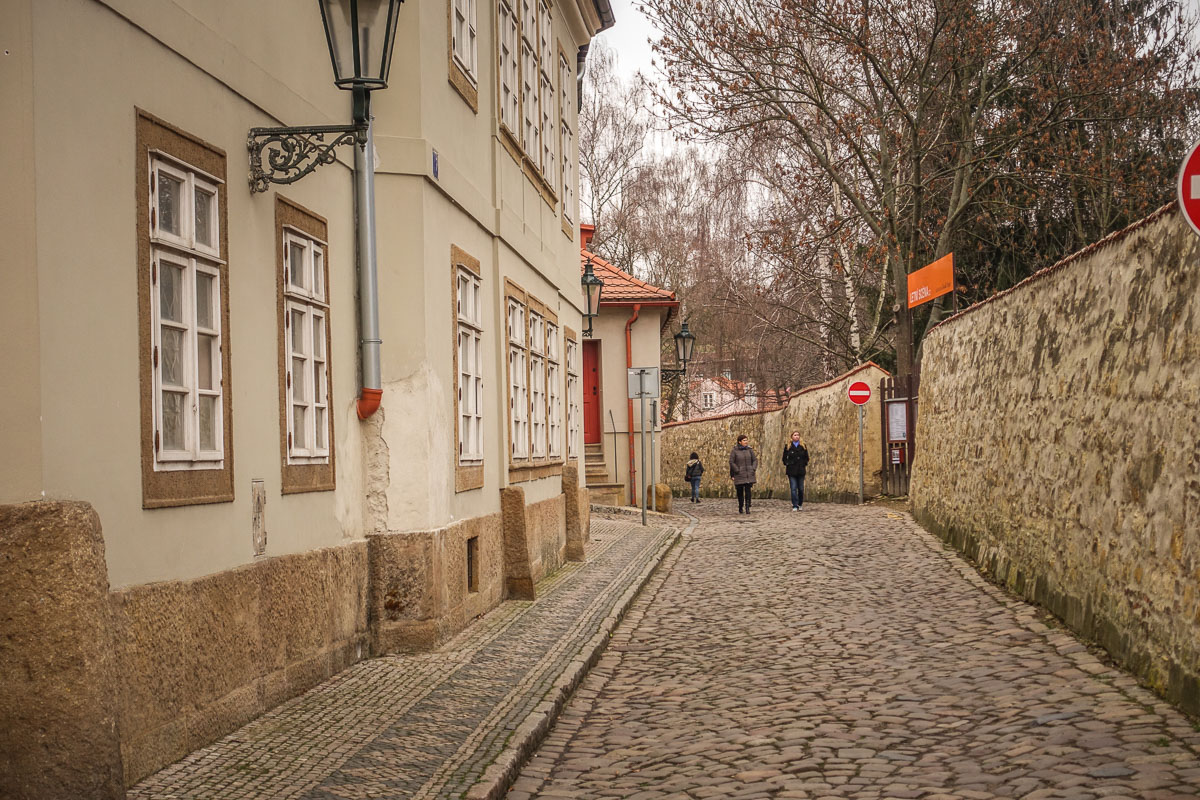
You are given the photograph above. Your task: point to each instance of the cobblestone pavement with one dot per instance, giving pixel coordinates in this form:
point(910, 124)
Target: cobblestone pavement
point(842, 652)
point(427, 726)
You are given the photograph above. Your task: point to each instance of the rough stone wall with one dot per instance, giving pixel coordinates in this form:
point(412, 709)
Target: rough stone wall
point(577, 519)
point(545, 525)
point(828, 423)
point(418, 583)
point(199, 658)
point(58, 714)
point(1058, 445)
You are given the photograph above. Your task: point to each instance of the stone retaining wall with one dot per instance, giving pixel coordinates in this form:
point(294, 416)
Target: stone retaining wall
point(1058, 445)
point(102, 688)
point(828, 423)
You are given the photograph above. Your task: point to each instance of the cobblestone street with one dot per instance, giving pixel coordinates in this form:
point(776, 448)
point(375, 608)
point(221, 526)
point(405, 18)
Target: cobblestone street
point(844, 652)
point(429, 725)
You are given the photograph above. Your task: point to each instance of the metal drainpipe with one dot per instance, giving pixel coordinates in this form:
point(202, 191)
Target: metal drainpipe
point(629, 365)
point(368, 285)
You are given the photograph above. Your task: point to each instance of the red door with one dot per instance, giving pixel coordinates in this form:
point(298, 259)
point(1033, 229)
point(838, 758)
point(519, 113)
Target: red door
point(592, 421)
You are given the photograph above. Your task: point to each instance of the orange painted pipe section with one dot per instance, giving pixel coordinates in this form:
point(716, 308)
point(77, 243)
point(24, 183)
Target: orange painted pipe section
point(368, 402)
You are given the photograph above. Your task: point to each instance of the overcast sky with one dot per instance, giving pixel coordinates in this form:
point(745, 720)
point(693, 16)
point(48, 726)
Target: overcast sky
point(628, 38)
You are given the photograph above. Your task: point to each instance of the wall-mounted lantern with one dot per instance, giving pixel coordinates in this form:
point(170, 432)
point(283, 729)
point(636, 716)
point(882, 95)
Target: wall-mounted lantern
point(592, 287)
point(685, 341)
point(360, 35)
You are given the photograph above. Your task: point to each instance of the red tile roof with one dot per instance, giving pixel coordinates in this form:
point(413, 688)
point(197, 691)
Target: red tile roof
point(621, 288)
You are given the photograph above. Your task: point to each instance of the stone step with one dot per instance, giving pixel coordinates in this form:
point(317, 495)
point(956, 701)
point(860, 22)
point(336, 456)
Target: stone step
point(607, 493)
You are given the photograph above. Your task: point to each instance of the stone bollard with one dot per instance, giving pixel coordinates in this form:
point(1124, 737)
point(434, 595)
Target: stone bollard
point(58, 707)
point(662, 498)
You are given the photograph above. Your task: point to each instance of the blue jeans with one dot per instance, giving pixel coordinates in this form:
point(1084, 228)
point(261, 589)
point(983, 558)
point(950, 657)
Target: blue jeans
point(797, 490)
point(695, 488)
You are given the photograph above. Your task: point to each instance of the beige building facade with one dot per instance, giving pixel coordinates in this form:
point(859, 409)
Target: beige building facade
point(184, 355)
point(626, 333)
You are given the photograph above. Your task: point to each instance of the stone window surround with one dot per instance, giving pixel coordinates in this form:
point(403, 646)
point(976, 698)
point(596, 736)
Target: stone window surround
point(315, 477)
point(568, 167)
point(525, 469)
point(466, 476)
point(510, 140)
point(169, 488)
point(463, 83)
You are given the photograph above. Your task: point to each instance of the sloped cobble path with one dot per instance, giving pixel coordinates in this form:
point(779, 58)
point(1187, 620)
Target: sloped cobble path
point(842, 652)
point(427, 726)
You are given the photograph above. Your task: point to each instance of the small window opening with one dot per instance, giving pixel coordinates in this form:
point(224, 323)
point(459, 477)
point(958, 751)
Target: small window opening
point(473, 564)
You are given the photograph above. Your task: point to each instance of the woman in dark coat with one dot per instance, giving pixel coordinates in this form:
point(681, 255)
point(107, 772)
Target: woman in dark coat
point(743, 466)
point(795, 463)
point(692, 475)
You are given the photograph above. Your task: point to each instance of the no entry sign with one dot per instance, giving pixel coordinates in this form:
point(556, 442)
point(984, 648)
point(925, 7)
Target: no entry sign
point(859, 393)
point(1189, 187)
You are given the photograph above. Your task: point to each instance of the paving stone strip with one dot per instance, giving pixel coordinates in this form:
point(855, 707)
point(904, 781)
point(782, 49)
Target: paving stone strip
point(435, 725)
point(844, 652)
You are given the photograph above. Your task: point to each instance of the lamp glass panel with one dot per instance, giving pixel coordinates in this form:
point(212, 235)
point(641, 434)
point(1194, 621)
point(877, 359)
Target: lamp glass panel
point(593, 296)
point(339, 31)
point(373, 36)
point(360, 34)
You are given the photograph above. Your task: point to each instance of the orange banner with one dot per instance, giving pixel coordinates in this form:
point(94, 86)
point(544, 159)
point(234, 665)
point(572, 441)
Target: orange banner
point(932, 281)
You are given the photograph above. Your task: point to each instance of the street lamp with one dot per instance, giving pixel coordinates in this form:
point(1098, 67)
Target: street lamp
point(592, 286)
point(360, 35)
point(685, 342)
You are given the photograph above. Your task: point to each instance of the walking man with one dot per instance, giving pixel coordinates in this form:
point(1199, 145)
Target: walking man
point(795, 462)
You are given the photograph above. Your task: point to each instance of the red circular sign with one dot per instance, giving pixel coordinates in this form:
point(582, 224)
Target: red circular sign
point(1188, 187)
point(859, 392)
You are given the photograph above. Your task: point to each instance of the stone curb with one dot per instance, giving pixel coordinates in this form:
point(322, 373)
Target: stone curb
point(499, 776)
point(636, 511)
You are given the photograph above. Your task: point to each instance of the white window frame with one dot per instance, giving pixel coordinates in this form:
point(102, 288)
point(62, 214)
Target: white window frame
point(464, 38)
point(708, 400)
point(531, 140)
point(537, 384)
point(518, 379)
point(545, 157)
point(566, 139)
point(574, 412)
point(197, 260)
point(553, 396)
point(507, 54)
point(306, 304)
point(469, 300)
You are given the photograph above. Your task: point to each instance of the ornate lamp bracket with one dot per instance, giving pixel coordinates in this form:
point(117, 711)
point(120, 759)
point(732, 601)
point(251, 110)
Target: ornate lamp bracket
point(670, 373)
point(292, 153)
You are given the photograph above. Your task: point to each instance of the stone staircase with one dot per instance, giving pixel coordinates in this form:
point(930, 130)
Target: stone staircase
point(600, 489)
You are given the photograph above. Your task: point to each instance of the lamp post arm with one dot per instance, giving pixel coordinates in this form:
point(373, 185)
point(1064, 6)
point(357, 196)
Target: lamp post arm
point(293, 152)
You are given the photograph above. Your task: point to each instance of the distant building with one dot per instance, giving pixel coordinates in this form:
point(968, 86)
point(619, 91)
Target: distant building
point(713, 396)
point(627, 333)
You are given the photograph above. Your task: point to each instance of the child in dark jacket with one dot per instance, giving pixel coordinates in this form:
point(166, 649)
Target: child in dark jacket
point(692, 475)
